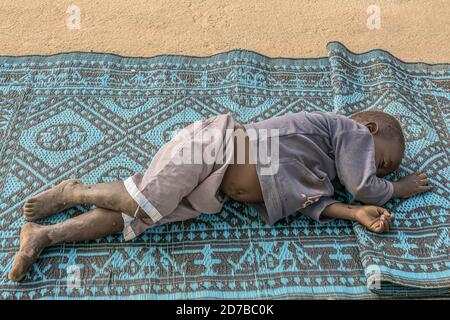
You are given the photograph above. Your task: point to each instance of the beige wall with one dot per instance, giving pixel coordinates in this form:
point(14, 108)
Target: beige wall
point(411, 30)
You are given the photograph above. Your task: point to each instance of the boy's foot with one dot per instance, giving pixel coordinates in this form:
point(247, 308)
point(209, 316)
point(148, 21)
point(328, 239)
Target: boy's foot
point(33, 239)
point(50, 201)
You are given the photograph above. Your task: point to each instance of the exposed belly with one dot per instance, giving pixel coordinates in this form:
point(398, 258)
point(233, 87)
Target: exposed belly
point(241, 181)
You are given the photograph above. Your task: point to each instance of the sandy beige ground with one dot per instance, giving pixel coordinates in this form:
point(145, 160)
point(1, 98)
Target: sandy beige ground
point(411, 30)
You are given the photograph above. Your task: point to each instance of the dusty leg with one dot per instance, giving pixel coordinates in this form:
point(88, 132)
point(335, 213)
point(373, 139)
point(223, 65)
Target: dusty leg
point(34, 238)
point(68, 193)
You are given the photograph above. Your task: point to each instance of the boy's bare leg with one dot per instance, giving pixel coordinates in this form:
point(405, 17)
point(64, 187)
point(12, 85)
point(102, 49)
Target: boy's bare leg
point(71, 192)
point(34, 238)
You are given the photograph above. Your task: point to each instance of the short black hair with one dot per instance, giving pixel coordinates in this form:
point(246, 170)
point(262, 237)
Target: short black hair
point(390, 127)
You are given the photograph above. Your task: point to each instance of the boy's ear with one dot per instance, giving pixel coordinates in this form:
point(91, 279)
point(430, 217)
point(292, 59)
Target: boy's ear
point(372, 126)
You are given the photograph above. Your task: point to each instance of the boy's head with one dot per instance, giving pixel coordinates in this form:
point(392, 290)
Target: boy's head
point(388, 138)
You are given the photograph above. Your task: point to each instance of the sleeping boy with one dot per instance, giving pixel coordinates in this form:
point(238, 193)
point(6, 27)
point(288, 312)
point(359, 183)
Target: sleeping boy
point(188, 176)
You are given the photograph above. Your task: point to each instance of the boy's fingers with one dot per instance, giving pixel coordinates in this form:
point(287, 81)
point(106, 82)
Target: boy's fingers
point(389, 215)
point(381, 211)
point(389, 222)
point(384, 212)
point(378, 227)
point(386, 224)
point(425, 188)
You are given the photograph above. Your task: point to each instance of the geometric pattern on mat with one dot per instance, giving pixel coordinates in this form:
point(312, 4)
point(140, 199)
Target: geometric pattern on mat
point(101, 117)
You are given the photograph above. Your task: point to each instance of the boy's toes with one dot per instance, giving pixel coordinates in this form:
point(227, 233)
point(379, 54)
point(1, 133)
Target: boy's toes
point(15, 276)
point(29, 218)
point(29, 207)
point(29, 213)
point(18, 272)
point(31, 200)
point(422, 175)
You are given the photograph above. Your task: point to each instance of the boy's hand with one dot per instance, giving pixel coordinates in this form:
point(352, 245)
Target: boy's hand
point(411, 185)
point(374, 218)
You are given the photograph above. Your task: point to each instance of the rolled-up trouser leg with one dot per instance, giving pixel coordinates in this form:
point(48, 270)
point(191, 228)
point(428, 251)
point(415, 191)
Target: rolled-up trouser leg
point(160, 192)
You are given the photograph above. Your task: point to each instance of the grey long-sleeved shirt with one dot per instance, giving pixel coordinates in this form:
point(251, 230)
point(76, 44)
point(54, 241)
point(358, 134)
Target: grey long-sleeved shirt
point(315, 149)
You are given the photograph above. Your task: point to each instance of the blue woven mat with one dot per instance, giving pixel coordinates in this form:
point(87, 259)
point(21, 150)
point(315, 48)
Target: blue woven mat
point(100, 117)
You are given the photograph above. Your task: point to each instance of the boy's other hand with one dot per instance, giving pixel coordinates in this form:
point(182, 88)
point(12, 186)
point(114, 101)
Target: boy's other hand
point(374, 218)
point(411, 185)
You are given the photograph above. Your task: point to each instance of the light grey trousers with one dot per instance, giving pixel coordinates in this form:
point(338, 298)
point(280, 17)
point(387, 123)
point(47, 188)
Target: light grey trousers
point(183, 179)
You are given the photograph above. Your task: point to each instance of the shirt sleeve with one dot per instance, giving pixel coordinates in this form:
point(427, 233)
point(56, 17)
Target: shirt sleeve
point(315, 210)
point(355, 165)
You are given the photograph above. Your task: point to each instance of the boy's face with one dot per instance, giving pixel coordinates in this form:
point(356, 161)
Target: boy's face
point(388, 151)
point(388, 155)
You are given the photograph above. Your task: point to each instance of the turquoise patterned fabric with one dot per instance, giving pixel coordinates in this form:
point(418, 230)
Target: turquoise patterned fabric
point(101, 117)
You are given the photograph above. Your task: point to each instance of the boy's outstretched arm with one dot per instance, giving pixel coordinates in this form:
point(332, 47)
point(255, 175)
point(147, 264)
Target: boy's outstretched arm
point(374, 218)
point(411, 185)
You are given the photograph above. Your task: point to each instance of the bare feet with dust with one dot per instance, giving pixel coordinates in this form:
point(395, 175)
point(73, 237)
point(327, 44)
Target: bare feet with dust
point(50, 201)
point(33, 240)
